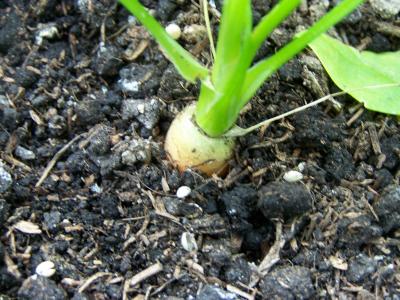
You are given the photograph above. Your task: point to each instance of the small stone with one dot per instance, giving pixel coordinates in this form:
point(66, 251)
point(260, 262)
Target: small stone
point(39, 287)
point(174, 31)
point(147, 112)
point(135, 151)
point(215, 293)
point(292, 176)
point(188, 242)
point(46, 31)
point(183, 191)
point(24, 153)
point(194, 33)
point(177, 207)
point(45, 269)
point(5, 179)
point(107, 61)
point(386, 8)
point(292, 282)
point(52, 220)
point(284, 200)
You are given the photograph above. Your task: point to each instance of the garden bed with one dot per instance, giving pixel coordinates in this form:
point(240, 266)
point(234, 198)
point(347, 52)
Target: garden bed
point(86, 98)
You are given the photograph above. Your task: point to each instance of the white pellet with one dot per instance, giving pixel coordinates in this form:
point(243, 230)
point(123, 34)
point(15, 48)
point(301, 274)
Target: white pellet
point(183, 191)
point(174, 31)
point(292, 176)
point(45, 269)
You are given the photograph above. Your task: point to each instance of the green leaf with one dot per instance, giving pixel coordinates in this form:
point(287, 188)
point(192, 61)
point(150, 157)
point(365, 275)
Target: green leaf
point(185, 63)
point(234, 33)
point(266, 67)
point(355, 71)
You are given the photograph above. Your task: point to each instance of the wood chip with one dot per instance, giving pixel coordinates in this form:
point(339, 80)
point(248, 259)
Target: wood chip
point(27, 227)
point(338, 263)
point(146, 273)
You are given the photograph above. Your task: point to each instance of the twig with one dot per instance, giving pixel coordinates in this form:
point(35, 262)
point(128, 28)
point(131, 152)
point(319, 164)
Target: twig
point(208, 26)
point(91, 279)
point(146, 273)
point(56, 157)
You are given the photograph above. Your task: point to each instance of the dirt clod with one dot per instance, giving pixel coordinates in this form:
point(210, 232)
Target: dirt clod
point(288, 283)
point(388, 208)
point(38, 287)
point(283, 200)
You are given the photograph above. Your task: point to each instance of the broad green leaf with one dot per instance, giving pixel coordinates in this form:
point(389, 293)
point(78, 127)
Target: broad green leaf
point(368, 77)
point(185, 63)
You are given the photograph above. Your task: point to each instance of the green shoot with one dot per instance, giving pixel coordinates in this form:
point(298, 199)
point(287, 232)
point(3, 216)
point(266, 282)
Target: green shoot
point(232, 81)
point(203, 144)
point(217, 112)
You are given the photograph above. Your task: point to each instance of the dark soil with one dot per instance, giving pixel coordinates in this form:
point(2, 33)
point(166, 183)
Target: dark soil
point(83, 86)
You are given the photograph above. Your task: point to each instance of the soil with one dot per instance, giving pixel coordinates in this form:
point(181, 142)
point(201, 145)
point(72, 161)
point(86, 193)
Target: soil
point(87, 93)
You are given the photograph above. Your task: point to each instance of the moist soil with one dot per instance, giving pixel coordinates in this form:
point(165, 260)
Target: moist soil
point(86, 98)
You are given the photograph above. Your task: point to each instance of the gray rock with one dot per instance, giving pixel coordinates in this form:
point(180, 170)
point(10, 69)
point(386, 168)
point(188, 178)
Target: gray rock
point(388, 208)
point(212, 292)
point(135, 151)
point(179, 207)
point(386, 8)
point(5, 179)
point(288, 283)
point(147, 112)
point(38, 287)
point(360, 267)
point(52, 220)
point(284, 200)
point(107, 61)
point(24, 153)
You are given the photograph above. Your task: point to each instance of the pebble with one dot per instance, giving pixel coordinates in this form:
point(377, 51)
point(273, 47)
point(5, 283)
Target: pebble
point(188, 242)
point(215, 293)
point(5, 179)
point(45, 269)
point(292, 176)
point(194, 33)
point(386, 8)
point(24, 153)
point(183, 191)
point(174, 31)
point(46, 31)
point(147, 112)
point(39, 287)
